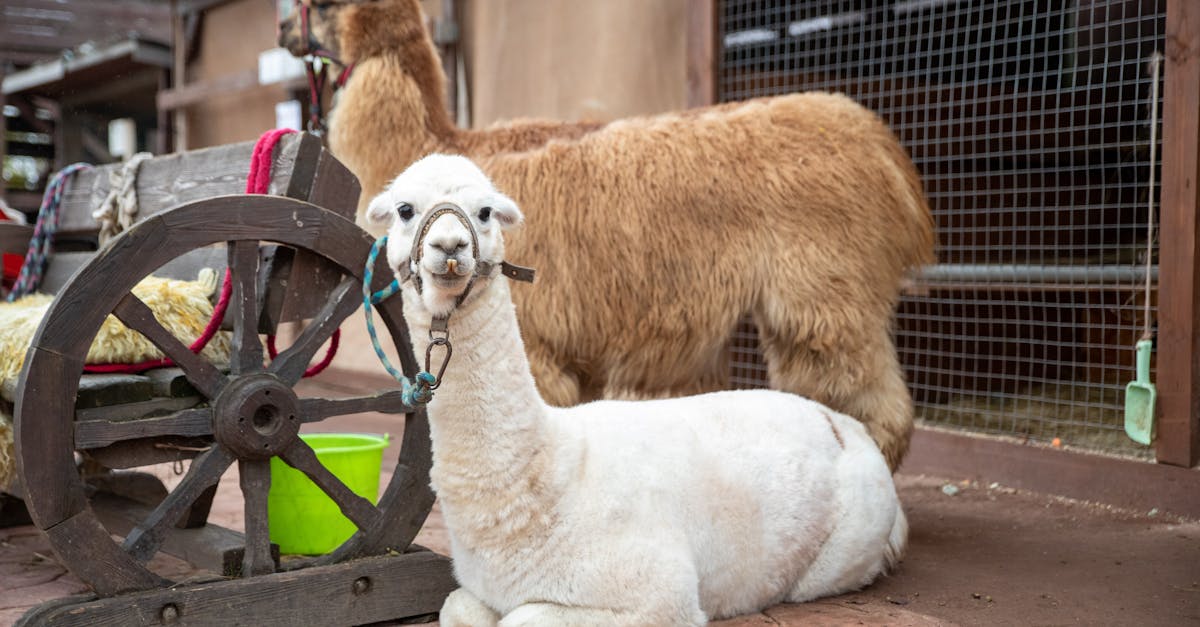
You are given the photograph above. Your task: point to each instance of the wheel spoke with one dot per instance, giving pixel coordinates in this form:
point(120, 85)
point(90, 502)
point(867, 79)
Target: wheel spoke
point(358, 509)
point(91, 434)
point(204, 376)
point(291, 363)
point(318, 409)
point(143, 541)
point(255, 476)
point(243, 264)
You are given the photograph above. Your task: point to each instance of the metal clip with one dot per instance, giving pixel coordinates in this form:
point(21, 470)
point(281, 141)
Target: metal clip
point(438, 341)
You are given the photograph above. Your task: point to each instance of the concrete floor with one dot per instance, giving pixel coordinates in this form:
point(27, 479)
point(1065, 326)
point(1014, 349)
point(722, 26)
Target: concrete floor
point(978, 555)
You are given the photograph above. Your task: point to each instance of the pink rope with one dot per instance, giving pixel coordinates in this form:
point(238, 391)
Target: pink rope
point(258, 181)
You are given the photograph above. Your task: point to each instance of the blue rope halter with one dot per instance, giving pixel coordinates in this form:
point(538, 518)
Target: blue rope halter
point(414, 392)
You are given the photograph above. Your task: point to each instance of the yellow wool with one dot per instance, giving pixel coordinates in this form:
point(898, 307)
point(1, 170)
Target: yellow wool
point(182, 307)
point(8, 461)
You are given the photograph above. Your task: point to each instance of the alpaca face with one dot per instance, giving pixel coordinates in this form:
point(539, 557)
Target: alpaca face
point(447, 256)
point(322, 27)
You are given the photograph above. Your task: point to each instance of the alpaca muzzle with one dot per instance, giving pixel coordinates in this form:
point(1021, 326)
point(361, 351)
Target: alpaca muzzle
point(483, 268)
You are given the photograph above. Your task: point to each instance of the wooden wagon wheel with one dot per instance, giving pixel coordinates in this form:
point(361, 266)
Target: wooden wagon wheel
point(252, 412)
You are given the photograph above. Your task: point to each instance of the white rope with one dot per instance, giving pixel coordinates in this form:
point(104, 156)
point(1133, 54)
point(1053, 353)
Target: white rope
point(118, 211)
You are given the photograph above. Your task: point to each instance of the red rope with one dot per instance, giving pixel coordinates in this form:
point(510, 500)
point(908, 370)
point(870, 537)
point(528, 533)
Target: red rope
point(258, 181)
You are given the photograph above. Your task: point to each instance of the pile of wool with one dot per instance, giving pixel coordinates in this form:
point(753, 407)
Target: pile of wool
point(182, 307)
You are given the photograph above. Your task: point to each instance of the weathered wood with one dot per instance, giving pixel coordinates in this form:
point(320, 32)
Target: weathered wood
point(359, 510)
point(147, 452)
point(1114, 481)
point(255, 478)
point(318, 409)
point(100, 390)
point(125, 412)
point(1179, 276)
point(137, 486)
point(108, 572)
point(170, 382)
point(91, 433)
point(343, 301)
point(133, 313)
point(208, 547)
point(45, 406)
point(243, 308)
point(143, 541)
point(170, 180)
point(363, 591)
point(103, 286)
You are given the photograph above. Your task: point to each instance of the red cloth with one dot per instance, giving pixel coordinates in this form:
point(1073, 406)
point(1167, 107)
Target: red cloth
point(11, 263)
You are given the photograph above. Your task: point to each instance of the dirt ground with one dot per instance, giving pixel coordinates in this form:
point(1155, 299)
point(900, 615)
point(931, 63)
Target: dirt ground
point(978, 555)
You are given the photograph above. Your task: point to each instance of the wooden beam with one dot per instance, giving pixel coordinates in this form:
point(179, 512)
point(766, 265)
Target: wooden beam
point(199, 91)
point(1179, 275)
point(1110, 480)
point(178, 74)
point(702, 52)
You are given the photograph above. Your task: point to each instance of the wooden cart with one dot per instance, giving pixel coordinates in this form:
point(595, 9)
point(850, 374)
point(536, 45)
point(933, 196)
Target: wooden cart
point(293, 255)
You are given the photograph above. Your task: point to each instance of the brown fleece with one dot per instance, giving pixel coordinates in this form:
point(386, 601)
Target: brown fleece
point(652, 236)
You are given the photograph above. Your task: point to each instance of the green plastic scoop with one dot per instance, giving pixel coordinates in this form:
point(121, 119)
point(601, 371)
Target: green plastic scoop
point(1139, 399)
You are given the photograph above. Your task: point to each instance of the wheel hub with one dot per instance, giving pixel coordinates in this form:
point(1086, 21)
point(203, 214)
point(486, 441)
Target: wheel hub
point(256, 416)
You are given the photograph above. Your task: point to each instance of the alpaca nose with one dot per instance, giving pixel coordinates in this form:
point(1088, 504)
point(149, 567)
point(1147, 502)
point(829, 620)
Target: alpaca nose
point(449, 246)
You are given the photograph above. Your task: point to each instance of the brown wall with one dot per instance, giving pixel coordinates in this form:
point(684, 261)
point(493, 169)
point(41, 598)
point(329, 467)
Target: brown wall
point(574, 59)
point(561, 59)
point(233, 35)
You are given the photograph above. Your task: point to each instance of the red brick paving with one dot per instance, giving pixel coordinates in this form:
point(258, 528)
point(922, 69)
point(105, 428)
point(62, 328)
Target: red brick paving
point(983, 556)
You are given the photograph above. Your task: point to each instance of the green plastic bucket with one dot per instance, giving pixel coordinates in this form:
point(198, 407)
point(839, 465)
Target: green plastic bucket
point(302, 518)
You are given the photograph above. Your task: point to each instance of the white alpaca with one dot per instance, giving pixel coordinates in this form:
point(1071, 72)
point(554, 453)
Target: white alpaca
point(662, 512)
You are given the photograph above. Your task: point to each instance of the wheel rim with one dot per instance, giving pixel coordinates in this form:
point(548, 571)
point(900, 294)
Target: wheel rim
point(253, 412)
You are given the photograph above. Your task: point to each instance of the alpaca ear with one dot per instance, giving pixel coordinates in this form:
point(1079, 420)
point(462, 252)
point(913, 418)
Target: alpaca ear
point(380, 211)
point(505, 211)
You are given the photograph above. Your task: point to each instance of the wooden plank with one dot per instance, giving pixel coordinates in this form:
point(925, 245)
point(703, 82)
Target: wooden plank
point(254, 476)
point(199, 91)
point(92, 432)
point(170, 382)
point(45, 457)
point(1129, 484)
point(359, 510)
point(244, 310)
point(318, 409)
point(99, 562)
point(210, 547)
point(133, 313)
point(102, 390)
point(171, 180)
point(290, 364)
point(147, 536)
point(702, 50)
point(363, 591)
point(1179, 281)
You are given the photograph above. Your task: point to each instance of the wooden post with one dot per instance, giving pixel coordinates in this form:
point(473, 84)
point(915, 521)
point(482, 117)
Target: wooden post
point(179, 45)
point(702, 53)
point(1179, 275)
point(3, 137)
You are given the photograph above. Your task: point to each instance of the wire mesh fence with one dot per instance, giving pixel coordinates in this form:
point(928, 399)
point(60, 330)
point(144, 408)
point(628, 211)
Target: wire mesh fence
point(1030, 123)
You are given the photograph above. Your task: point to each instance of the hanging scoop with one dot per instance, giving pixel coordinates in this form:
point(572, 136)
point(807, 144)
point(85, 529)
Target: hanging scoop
point(1139, 399)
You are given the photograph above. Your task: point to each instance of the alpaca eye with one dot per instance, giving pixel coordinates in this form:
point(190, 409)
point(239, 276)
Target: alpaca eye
point(484, 214)
point(406, 211)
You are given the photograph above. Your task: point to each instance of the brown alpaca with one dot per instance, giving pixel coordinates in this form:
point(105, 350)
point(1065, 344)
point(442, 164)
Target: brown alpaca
point(652, 236)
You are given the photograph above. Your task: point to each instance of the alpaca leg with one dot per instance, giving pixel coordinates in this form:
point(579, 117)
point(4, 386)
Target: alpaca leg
point(553, 615)
point(465, 609)
point(855, 373)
